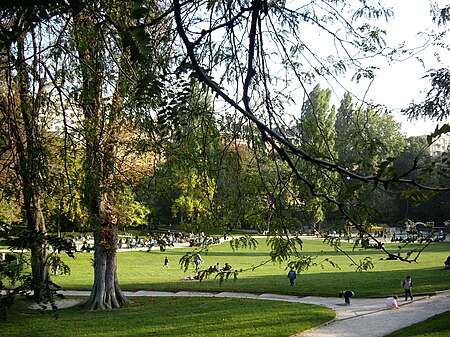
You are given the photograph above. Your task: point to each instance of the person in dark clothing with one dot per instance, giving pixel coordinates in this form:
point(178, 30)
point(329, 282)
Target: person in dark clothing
point(292, 275)
point(346, 294)
point(447, 263)
point(226, 267)
point(407, 286)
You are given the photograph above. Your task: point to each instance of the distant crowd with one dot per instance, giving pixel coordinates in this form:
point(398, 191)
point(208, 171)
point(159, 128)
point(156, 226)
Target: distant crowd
point(84, 243)
point(419, 237)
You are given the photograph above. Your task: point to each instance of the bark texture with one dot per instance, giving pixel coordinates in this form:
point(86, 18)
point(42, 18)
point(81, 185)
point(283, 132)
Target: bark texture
point(106, 292)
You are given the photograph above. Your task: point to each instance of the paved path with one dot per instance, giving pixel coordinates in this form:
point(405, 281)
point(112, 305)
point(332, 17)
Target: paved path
point(364, 317)
point(370, 317)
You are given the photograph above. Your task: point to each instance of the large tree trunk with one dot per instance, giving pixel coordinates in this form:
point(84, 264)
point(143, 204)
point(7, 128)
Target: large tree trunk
point(39, 267)
point(106, 292)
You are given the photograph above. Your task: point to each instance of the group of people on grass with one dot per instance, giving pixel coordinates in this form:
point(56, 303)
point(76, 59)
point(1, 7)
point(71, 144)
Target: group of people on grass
point(84, 243)
point(197, 262)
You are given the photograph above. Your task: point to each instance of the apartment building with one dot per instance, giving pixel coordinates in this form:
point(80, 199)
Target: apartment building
point(440, 145)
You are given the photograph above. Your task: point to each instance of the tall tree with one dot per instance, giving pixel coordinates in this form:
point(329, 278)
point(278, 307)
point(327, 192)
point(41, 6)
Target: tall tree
point(100, 128)
point(109, 77)
point(317, 136)
point(367, 141)
point(22, 96)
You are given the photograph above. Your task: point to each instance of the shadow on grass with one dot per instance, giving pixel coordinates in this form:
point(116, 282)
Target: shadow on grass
point(144, 271)
point(373, 283)
point(174, 317)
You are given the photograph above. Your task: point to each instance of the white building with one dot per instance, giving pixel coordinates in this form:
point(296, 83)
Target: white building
point(440, 145)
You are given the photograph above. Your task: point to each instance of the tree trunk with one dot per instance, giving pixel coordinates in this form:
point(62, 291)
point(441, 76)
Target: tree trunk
point(106, 292)
point(39, 267)
point(26, 135)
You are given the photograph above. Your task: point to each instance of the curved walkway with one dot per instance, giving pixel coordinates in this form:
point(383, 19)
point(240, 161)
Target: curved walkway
point(365, 316)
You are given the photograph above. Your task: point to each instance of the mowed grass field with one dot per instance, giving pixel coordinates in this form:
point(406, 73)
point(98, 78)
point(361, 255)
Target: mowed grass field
point(144, 271)
point(171, 316)
point(206, 316)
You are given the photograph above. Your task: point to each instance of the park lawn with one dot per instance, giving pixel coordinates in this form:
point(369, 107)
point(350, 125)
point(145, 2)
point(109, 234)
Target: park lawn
point(144, 271)
point(171, 316)
point(436, 326)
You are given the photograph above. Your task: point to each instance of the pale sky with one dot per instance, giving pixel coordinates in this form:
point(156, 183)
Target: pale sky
point(401, 83)
point(397, 84)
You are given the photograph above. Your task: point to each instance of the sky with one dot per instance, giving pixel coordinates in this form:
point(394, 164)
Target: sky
point(399, 84)
point(396, 84)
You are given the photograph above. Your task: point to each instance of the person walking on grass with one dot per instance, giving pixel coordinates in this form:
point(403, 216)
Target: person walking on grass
point(197, 260)
point(292, 275)
point(407, 286)
point(56, 263)
point(166, 262)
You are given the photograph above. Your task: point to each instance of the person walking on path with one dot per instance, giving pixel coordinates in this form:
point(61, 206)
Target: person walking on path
point(407, 286)
point(346, 294)
point(292, 275)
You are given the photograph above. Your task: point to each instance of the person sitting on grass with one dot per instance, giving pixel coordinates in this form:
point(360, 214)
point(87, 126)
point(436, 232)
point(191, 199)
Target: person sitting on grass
point(391, 302)
point(447, 263)
point(226, 267)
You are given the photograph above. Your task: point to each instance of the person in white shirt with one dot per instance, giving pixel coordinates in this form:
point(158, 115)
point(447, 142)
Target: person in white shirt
point(197, 260)
point(391, 302)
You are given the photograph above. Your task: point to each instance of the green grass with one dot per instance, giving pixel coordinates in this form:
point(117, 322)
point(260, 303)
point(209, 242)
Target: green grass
point(166, 316)
point(180, 316)
point(436, 326)
point(144, 271)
